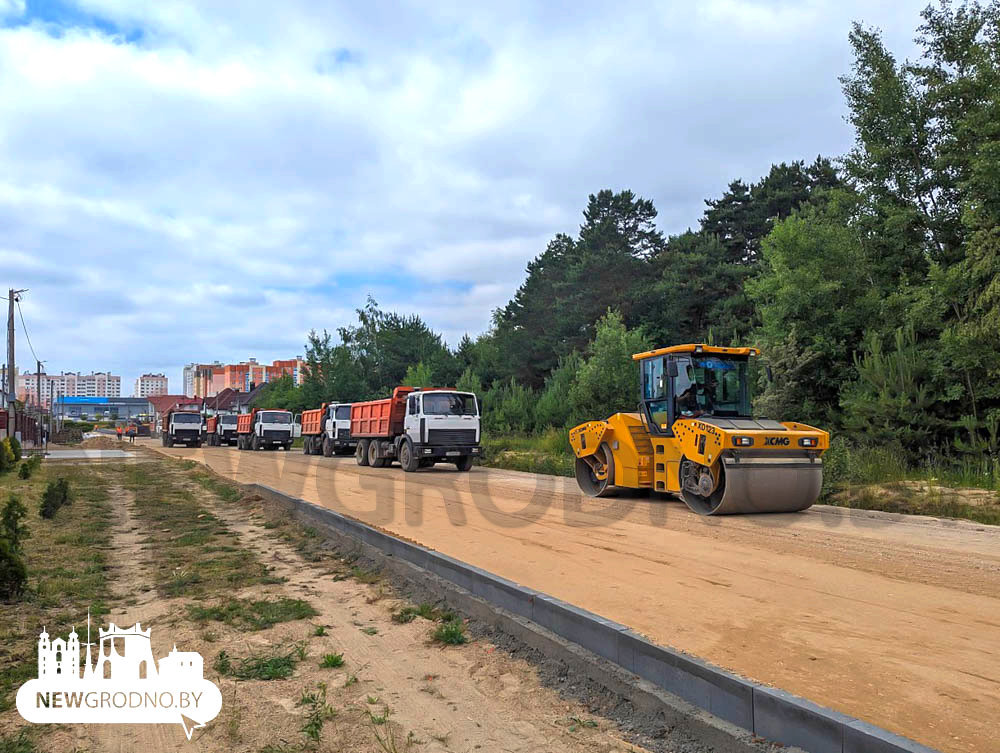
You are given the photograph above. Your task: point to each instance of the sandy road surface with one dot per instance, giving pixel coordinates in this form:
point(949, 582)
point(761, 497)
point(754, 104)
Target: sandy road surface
point(894, 621)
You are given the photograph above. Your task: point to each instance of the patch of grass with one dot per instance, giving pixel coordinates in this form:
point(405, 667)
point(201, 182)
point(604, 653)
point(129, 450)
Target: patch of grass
point(246, 614)
point(351, 680)
point(221, 488)
point(320, 631)
point(426, 610)
point(450, 633)
point(67, 568)
point(182, 532)
point(370, 630)
point(548, 453)
point(267, 666)
point(360, 575)
point(332, 661)
point(20, 742)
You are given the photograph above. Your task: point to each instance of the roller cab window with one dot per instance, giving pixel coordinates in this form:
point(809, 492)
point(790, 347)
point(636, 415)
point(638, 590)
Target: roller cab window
point(711, 385)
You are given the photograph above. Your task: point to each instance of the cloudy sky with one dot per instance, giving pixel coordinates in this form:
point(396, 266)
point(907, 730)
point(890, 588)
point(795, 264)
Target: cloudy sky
point(201, 180)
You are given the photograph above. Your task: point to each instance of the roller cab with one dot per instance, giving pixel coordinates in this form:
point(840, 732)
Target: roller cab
point(694, 436)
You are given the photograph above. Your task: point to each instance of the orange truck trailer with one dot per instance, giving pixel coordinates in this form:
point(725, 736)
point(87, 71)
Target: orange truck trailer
point(417, 427)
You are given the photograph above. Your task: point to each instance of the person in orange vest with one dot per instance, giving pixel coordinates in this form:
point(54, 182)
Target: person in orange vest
point(119, 431)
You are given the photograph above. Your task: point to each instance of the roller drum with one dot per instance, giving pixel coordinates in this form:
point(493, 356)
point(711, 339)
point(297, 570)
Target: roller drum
point(761, 485)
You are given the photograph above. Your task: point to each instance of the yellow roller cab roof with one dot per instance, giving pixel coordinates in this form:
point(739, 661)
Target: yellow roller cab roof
point(701, 348)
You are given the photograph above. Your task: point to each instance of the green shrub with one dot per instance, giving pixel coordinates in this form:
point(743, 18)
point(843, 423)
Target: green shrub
point(24, 471)
point(11, 528)
point(56, 495)
point(13, 573)
point(6, 456)
point(15, 448)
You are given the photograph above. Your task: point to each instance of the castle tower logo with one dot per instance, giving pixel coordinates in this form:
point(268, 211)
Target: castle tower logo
point(123, 684)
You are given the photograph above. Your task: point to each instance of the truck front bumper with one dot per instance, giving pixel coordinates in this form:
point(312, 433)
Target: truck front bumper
point(447, 451)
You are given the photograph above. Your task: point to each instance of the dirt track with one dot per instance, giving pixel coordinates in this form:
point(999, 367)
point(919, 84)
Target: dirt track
point(896, 621)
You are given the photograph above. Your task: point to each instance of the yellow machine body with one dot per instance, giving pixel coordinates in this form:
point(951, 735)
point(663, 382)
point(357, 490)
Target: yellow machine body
point(741, 464)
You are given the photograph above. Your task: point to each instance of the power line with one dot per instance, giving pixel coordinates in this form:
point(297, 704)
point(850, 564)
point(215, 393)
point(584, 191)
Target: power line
point(23, 327)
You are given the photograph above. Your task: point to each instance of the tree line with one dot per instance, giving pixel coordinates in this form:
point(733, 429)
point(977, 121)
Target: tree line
point(871, 281)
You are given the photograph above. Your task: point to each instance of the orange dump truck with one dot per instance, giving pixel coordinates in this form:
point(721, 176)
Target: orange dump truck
point(264, 429)
point(417, 427)
point(327, 430)
point(221, 429)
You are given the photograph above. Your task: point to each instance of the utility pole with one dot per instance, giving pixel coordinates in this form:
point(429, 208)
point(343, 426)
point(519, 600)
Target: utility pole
point(12, 298)
point(38, 402)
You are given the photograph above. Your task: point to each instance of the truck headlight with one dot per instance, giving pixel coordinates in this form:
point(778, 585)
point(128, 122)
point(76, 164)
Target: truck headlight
point(808, 442)
point(742, 441)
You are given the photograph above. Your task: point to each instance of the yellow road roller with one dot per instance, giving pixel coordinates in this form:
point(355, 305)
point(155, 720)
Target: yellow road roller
point(694, 435)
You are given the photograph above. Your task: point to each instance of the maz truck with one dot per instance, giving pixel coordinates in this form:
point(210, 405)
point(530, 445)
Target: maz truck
point(182, 427)
point(417, 427)
point(265, 430)
point(327, 430)
point(221, 429)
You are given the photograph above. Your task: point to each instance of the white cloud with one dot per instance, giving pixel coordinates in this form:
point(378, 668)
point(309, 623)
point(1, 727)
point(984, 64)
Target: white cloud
point(218, 179)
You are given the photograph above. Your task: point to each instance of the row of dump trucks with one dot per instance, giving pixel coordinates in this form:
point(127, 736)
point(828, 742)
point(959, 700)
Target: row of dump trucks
point(415, 427)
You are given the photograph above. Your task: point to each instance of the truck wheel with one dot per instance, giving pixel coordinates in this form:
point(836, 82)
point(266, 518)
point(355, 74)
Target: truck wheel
point(197, 444)
point(255, 443)
point(307, 445)
point(373, 459)
point(163, 440)
point(426, 462)
point(327, 447)
point(288, 446)
point(361, 453)
point(407, 456)
point(170, 441)
point(464, 463)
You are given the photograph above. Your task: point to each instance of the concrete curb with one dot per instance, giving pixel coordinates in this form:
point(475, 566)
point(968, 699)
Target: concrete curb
point(765, 712)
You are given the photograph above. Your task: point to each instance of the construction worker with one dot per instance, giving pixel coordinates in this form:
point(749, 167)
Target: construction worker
point(131, 433)
point(118, 430)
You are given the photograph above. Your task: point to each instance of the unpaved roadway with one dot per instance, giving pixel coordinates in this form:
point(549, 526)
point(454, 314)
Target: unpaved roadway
point(893, 620)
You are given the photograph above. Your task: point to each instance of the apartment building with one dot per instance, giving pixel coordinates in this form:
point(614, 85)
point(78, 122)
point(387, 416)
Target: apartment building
point(68, 384)
point(149, 385)
point(209, 379)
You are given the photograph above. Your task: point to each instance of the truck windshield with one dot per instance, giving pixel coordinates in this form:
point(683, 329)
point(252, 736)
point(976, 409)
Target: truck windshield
point(343, 413)
point(227, 420)
point(711, 385)
point(275, 417)
point(449, 404)
point(187, 418)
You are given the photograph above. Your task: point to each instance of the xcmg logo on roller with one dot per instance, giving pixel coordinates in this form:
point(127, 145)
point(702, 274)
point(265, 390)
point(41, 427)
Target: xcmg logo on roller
point(776, 441)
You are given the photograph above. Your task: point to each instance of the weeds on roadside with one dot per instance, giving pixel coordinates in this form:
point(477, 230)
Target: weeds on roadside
point(318, 711)
point(426, 610)
point(332, 661)
point(450, 633)
point(268, 666)
point(246, 614)
point(320, 631)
